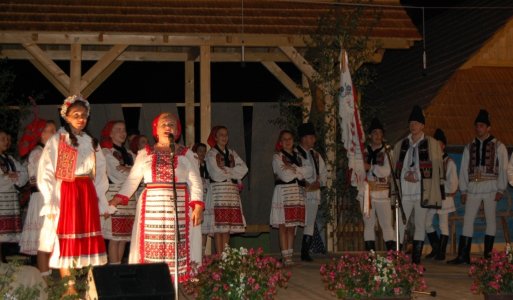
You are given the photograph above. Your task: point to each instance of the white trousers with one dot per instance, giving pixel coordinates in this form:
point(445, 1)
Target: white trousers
point(311, 208)
point(410, 205)
point(471, 209)
point(443, 221)
point(381, 209)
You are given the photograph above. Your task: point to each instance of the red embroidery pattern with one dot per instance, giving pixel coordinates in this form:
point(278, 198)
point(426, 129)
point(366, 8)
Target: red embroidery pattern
point(66, 161)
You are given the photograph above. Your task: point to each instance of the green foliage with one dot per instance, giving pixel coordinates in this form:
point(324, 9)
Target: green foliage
point(340, 28)
point(7, 291)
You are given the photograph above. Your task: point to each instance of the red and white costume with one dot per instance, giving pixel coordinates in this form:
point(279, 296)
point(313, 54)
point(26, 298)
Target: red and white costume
point(288, 204)
point(153, 235)
point(119, 226)
point(224, 190)
point(75, 204)
point(10, 218)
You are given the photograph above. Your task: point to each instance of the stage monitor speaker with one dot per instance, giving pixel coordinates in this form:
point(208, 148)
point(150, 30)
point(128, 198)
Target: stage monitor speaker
point(130, 282)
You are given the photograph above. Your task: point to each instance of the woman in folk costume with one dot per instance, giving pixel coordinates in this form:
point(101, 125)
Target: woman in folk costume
point(118, 228)
point(12, 175)
point(73, 180)
point(226, 171)
point(439, 245)
point(153, 235)
point(33, 141)
point(208, 214)
point(288, 206)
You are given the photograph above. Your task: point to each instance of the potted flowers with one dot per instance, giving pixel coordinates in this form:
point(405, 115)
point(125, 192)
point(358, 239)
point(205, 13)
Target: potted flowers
point(237, 274)
point(371, 276)
point(494, 276)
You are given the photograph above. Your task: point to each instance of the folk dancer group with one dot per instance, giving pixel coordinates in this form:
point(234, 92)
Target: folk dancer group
point(84, 191)
point(428, 181)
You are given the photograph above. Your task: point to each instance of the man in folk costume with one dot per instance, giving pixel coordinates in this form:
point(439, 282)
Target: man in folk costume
point(419, 169)
point(439, 245)
point(378, 171)
point(315, 174)
point(482, 179)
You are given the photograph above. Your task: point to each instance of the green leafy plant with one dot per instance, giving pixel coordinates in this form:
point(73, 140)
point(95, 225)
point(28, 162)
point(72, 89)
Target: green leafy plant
point(365, 275)
point(237, 274)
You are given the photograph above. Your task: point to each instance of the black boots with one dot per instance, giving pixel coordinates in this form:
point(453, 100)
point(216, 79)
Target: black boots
point(370, 245)
point(435, 244)
point(463, 251)
point(488, 245)
point(390, 245)
point(305, 248)
point(443, 247)
point(417, 251)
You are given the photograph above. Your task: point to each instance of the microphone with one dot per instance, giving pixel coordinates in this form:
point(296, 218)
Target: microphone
point(172, 142)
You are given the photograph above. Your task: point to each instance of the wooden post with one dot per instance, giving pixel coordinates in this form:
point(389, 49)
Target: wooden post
point(53, 72)
point(205, 100)
point(189, 103)
point(75, 73)
point(330, 142)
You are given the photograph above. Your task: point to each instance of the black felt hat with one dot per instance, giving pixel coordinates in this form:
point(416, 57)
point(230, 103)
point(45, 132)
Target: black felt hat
point(440, 136)
point(417, 115)
point(375, 124)
point(482, 117)
point(305, 129)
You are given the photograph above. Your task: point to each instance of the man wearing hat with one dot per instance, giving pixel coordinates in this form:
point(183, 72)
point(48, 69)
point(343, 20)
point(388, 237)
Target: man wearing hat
point(378, 171)
point(439, 245)
point(419, 170)
point(483, 178)
point(315, 177)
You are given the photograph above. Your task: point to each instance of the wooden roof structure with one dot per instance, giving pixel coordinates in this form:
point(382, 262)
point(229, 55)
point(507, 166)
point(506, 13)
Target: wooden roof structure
point(485, 81)
point(455, 38)
point(112, 32)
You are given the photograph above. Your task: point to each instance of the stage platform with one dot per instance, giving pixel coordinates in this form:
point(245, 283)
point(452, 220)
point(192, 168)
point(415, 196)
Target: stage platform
point(450, 282)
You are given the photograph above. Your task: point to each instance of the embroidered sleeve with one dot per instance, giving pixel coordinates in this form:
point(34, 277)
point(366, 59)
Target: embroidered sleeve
point(46, 180)
point(193, 180)
point(283, 170)
point(136, 174)
point(101, 183)
point(502, 180)
point(114, 175)
point(22, 173)
point(240, 169)
point(123, 199)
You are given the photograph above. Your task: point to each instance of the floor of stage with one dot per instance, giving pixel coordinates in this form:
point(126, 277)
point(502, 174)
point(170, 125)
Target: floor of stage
point(450, 282)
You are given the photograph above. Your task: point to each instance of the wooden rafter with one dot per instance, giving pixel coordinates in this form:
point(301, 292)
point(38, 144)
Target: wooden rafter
point(56, 83)
point(100, 78)
point(52, 71)
point(205, 93)
point(101, 65)
point(283, 78)
point(301, 63)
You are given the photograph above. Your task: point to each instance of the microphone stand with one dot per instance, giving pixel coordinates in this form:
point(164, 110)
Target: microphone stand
point(175, 202)
point(398, 204)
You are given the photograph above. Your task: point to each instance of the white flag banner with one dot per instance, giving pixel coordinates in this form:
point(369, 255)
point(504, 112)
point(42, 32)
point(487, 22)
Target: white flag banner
point(352, 132)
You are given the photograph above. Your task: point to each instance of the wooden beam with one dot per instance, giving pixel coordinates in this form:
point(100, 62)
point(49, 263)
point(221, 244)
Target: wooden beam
point(307, 98)
point(189, 103)
point(302, 64)
point(52, 69)
point(101, 65)
point(56, 83)
point(152, 55)
point(283, 78)
point(205, 93)
point(98, 80)
point(75, 67)
point(155, 39)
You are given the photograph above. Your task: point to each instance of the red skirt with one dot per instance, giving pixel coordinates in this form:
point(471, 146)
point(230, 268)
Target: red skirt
point(79, 231)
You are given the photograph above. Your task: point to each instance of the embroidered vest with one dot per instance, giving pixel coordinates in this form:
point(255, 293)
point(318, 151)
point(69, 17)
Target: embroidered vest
point(486, 166)
point(376, 157)
point(425, 164)
point(66, 160)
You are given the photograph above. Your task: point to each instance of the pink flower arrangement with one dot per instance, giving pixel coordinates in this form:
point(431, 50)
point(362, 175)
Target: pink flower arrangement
point(492, 276)
point(365, 275)
point(237, 274)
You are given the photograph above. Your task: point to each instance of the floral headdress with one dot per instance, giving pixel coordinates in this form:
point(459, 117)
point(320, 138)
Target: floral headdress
point(72, 99)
